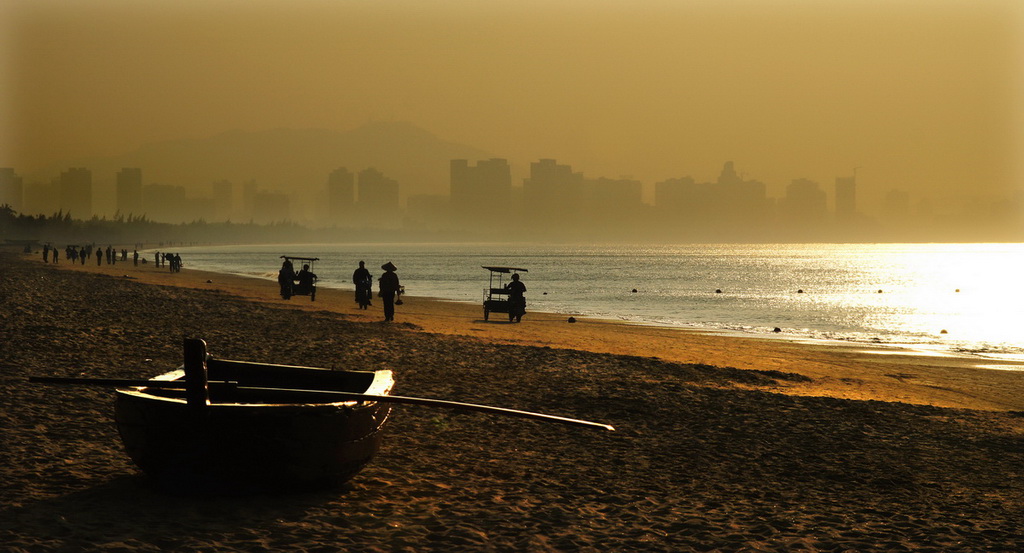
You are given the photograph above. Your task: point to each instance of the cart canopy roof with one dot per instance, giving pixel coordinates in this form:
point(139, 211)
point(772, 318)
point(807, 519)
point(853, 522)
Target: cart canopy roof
point(506, 269)
point(300, 258)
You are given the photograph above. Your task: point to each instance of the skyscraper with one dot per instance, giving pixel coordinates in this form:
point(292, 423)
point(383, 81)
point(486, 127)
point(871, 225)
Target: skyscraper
point(481, 191)
point(846, 197)
point(804, 201)
point(378, 198)
point(552, 192)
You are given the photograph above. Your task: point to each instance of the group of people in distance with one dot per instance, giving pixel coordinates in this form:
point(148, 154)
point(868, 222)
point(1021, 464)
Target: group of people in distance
point(389, 289)
point(74, 254)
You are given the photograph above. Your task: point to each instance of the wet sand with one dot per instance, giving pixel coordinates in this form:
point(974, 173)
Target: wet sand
point(722, 443)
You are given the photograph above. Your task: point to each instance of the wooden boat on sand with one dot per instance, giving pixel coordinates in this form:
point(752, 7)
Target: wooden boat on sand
point(220, 425)
point(242, 429)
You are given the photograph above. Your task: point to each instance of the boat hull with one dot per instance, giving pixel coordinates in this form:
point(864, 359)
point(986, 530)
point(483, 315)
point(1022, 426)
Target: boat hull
point(248, 443)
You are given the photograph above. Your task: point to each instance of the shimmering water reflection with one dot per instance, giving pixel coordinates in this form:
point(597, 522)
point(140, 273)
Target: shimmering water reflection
point(963, 298)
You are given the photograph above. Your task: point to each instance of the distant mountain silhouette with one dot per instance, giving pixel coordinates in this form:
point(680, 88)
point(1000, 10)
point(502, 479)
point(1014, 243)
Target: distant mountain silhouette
point(294, 159)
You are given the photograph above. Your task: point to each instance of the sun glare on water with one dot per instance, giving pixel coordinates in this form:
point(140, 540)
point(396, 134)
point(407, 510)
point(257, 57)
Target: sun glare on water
point(963, 292)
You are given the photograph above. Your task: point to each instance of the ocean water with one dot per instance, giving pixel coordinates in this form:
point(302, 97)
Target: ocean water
point(965, 299)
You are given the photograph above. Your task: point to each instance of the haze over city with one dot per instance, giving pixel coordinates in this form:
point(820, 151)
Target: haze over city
point(922, 99)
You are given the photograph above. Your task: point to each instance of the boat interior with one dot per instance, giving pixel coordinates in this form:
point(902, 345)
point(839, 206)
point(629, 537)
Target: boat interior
point(260, 383)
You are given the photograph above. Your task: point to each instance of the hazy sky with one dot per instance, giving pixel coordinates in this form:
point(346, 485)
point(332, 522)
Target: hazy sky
point(919, 94)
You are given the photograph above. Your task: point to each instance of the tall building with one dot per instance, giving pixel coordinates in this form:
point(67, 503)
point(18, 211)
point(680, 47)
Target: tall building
point(129, 191)
point(739, 200)
point(681, 196)
point(75, 190)
point(612, 200)
point(551, 193)
point(846, 197)
point(377, 190)
point(341, 194)
point(805, 201)
point(731, 200)
point(378, 198)
point(12, 191)
point(480, 191)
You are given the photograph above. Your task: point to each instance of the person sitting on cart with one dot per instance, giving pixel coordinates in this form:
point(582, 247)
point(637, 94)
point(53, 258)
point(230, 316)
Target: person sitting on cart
point(306, 279)
point(516, 299)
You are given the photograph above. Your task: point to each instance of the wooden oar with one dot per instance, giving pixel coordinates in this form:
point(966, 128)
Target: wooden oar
point(426, 402)
point(125, 382)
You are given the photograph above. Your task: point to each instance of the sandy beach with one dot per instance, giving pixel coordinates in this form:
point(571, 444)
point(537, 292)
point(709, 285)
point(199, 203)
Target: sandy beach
point(722, 443)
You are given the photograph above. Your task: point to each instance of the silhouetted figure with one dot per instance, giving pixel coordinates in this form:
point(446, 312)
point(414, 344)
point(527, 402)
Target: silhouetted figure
point(364, 285)
point(157, 261)
point(389, 287)
point(56, 255)
point(99, 258)
point(135, 257)
point(286, 279)
point(46, 253)
point(516, 299)
point(83, 255)
point(306, 279)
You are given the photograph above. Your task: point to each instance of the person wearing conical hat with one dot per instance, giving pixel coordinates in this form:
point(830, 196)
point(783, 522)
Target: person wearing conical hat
point(389, 287)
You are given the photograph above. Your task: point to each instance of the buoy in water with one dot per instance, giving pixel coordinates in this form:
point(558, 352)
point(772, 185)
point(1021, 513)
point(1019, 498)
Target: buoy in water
point(777, 329)
point(719, 291)
point(634, 290)
point(943, 331)
point(572, 319)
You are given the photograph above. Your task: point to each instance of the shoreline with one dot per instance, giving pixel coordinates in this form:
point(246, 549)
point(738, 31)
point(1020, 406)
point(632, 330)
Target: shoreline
point(839, 370)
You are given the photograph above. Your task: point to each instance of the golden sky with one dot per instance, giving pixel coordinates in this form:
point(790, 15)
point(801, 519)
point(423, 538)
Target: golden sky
point(918, 94)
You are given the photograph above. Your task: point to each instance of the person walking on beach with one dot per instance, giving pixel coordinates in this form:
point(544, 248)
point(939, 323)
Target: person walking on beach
point(364, 285)
point(516, 299)
point(46, 253)
point(286, 278)
point(389, 287)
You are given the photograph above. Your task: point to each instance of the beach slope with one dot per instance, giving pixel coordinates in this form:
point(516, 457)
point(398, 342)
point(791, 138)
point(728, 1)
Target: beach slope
point(704, 457)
